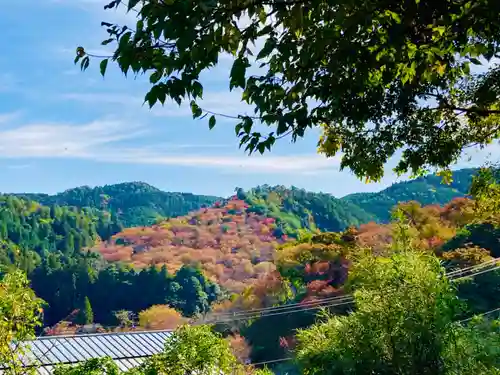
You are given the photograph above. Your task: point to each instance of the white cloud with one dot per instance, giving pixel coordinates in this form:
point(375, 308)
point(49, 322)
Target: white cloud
point(19, 166)
point(99, 141)
point(62, 140)
point(244, 164)
point(6, 118)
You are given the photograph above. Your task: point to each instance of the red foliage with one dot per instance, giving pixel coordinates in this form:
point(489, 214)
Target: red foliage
point(227, 241)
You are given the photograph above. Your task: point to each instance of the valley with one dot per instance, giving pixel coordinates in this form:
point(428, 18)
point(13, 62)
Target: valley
point(131, 255)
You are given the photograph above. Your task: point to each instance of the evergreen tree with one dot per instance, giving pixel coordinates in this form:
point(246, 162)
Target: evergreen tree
point(86, 315)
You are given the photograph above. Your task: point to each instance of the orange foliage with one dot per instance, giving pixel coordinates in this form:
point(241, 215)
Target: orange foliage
point(375, 236)
point(467, 257)
point(234, 247)
point(264, 293)
point(160, 317)
point(239, 347)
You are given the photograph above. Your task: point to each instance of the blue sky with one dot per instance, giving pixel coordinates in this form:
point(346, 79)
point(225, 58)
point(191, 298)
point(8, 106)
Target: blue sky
point(61, 128)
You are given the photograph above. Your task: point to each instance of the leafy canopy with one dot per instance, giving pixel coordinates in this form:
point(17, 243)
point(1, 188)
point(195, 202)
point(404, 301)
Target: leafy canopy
point(376, 76)
point(20, 314)
point(193, 349)
point(403, 324)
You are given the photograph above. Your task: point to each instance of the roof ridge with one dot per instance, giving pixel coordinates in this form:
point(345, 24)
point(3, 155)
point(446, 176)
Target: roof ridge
point(100, 334)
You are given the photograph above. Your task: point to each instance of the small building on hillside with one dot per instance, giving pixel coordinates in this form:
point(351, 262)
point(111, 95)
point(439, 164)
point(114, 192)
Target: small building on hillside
point(90, 328)
point(127, 349)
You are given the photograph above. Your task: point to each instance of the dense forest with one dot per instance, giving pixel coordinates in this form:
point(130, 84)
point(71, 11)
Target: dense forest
point(426, 190)
point(134, 203)
point(139, 204)
point(266, 248)
point(50, 244)
point(83, 257)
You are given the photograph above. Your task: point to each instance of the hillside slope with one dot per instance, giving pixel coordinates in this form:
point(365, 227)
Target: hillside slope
point(230, 243)
point(140, 204)
point(29, 232)
point(134, 203)
point(425, 190)
point(295, 208)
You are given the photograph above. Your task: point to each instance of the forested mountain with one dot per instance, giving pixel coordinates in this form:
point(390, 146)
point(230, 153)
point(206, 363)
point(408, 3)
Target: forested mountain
point(425, 190)
point(232, 242)
point(295, 208)
point(30, 231)
point(134, 203)
point(140, 204)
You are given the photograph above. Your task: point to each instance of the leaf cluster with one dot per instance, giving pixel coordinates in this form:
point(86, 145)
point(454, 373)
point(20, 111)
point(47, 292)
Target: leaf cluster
point(376, 76)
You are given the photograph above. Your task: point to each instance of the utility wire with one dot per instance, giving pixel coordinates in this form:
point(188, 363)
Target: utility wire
point(291, 358)
point(228, 320)
point(293, 307)
point(284, 307)
point(478, 273)
point(272, 361)
point(477, 315)
point(466, 269)
point(349, 300)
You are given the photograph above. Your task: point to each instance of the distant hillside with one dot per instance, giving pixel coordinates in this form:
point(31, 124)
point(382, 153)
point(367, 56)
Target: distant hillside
point(139, 204)
point(30, 232)
point(295, 208)
point(134, 203)
point(425, 190)
point(232, 244)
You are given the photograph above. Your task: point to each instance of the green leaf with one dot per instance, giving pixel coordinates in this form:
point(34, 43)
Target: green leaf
point(85, 63)
point(268, 48)
point(131, 4)
point(261, 147)
point(262, 15)
point(102, 66)
point(211, 122)
point(162, 95)
point(197, 90)
point(247, 124)
point(195, 109)
point(238, 73)
point(151, 97)
point(155, 77)
point(107, 41)
point(237, 129)
point(475, 61)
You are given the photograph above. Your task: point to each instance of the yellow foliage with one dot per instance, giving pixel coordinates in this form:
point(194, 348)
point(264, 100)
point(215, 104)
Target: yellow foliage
point(465, 257)
point(160, 317)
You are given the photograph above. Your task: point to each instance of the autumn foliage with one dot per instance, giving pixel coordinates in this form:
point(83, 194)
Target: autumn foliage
point(233, 246)
point(246, 253)
point(158, 317)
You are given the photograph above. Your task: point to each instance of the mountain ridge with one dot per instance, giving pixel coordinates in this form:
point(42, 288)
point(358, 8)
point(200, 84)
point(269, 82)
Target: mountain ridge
point(138, 203)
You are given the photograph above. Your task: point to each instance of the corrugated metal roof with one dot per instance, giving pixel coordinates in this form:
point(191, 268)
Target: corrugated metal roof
point(127, 349)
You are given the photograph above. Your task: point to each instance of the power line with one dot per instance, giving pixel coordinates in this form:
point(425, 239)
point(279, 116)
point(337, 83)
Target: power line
point(291, 305)
point(279, 313)
point(272, 361)
point(343, 300)
point(250, 314)
point(478, 315)
point(478, 273)
point(291, 358)
point(476, 266)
